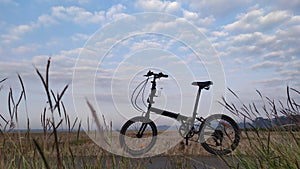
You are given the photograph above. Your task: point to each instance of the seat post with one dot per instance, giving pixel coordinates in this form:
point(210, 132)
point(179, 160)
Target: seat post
point(196, 103)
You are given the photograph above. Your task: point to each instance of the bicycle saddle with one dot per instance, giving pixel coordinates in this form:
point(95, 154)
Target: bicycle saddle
point(203, 84)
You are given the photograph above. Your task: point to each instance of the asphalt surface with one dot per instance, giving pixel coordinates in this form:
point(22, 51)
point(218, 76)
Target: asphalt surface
point(196, 162)
point(172, 162)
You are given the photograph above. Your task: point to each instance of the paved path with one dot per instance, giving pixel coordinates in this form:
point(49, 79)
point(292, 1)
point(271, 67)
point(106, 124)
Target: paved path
point(159, 162)
point(195, 162)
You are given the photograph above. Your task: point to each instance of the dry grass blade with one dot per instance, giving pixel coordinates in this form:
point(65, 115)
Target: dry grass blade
point(22, 85)
point(76, 119)
point(17, 105)
point(55, 127)
point(25, 99)
point(47, 71)
point(43, 120)
point(41, 153)
point(97, 121)
point(55, 100)
point(68, 123)
point(231, 91)
point(3, 80)
point(46, 83)
point(225, 104)
point(289, 101)
point(56, 142)
point(28, 130)
point(78, 131)
point(95, 116)
point(72, 157)
point(295, 90)
point(10, 100)
point(4, 119)
point(88, 123)
point(63, 92)
point(58, 98)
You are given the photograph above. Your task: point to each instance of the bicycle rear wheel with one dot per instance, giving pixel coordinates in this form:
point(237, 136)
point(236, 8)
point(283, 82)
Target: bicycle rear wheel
point(138, 135)
point(219, 134)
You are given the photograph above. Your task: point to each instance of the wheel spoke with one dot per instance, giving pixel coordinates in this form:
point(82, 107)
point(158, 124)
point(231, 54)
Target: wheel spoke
point(219, 134)
point(138, 135)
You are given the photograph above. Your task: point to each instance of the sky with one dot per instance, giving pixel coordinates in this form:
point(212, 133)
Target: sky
point(97, 45)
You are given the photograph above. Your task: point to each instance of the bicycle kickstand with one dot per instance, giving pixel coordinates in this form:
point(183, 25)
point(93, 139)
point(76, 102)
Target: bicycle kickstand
point(186, 140)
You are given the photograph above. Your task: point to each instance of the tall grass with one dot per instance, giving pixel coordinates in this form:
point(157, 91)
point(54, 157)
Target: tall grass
point(263, 148)
point(52, 148)
point(272, 146)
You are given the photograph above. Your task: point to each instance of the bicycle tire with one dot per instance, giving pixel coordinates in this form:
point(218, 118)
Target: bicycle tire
point(211, 138)
point(129, 136)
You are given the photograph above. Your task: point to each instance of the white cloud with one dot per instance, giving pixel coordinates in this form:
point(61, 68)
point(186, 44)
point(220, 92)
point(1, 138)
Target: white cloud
point(216, 8)
point(275, 81)
point(115, 9)
point(248, 38)
point(115, 12)
point(289, 32)
point(73, 14)
point(161, 26)
point(77, 14)
point(15, 33)
point(238, 60)
point(190, 15)
point(267, 64)
point(145, 44)
point(219, 33)
point(157, 6)
point(150, 5)
point(80, 37)
point(273, 54)
point(207, 21)
point(46, 20)
point(24, 50)
point(173, 7)
point(258, 20)
point(81, 16)
point(21, 29)
point(291, 73)
point(8, 38)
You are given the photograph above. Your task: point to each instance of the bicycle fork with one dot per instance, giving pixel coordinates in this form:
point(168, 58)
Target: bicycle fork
point(141, 130)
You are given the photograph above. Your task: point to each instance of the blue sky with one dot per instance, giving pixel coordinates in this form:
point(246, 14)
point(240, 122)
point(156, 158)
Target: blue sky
point(257, 43)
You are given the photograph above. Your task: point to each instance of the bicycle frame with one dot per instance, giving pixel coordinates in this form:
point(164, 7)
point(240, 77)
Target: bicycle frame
point(186, 121)
point(173, 115)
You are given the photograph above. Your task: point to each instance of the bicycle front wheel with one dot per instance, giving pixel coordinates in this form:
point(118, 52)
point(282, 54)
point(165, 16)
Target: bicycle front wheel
point(138, 135)
point(219, 134)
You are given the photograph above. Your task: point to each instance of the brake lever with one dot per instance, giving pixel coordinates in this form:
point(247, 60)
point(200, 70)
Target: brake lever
point(149, 73)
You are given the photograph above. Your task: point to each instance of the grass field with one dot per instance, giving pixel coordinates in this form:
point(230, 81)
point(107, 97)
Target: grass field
point(258, 148)
point(21, 150)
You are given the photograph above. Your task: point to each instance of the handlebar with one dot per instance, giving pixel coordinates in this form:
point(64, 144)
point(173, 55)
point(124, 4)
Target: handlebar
point(156, 75)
